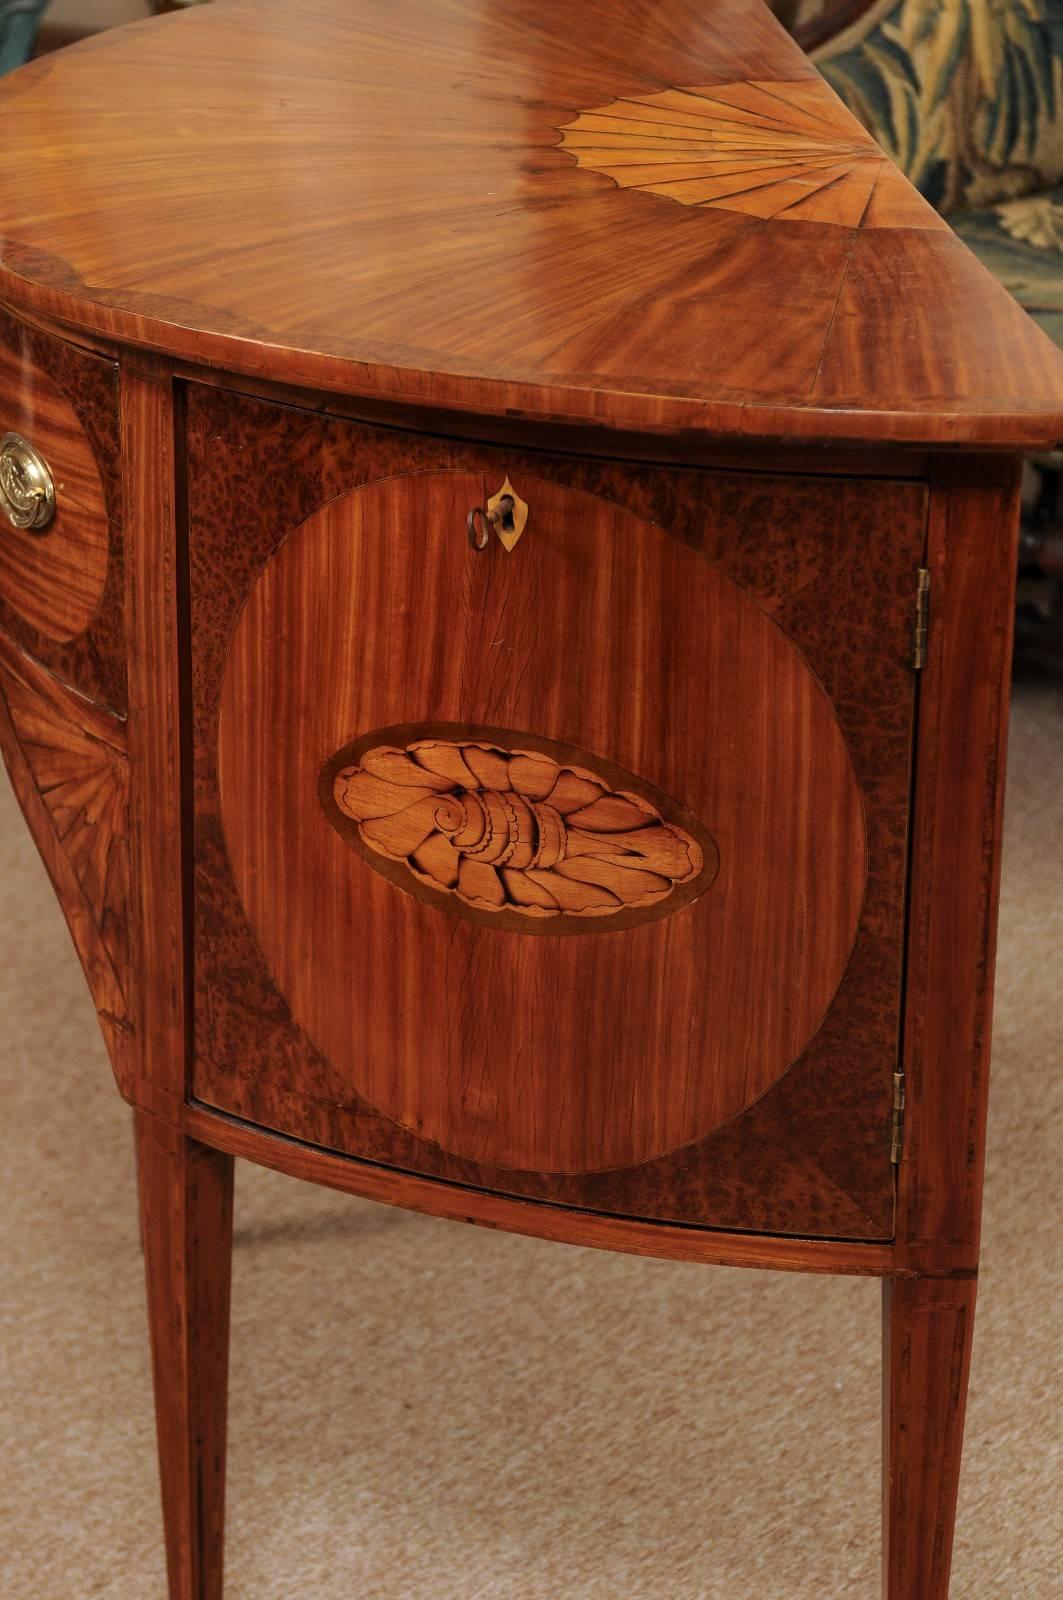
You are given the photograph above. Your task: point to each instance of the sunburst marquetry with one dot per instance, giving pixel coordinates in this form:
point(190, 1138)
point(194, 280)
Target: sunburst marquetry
point(76, 756)
point(771, 150)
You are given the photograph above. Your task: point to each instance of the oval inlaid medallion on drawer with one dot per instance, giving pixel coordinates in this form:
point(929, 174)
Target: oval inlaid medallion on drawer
point(52, 577)
point(601, 695)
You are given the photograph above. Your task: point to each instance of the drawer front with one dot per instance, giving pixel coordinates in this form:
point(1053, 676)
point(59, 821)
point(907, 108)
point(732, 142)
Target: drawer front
point(61, 583)
point(572, 866)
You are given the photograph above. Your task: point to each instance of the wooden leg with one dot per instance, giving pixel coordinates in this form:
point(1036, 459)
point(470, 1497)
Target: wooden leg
point(927, 1325)
point(186, 1221)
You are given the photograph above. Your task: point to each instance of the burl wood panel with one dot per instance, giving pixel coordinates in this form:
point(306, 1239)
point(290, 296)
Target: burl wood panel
point(61, 587)
point(605, 634)
point(386, 199)
point(833, 562)
point(68, 763)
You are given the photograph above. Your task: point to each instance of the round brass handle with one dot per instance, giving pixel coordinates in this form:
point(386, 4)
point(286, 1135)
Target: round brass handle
point(27, 492)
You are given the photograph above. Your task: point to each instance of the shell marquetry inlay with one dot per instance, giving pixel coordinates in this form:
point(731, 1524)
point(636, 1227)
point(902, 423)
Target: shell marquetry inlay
point(509, 830)
point(771, 150)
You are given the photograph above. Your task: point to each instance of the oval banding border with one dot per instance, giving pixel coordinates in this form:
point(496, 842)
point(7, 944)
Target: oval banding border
point(514, 831)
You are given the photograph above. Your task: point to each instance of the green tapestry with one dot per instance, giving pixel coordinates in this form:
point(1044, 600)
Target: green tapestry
point(18, 30)
point(965, 95)
point(1021, 242)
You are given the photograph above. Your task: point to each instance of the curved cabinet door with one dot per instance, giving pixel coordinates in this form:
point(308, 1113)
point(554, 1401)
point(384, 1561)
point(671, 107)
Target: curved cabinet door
point(550, 865)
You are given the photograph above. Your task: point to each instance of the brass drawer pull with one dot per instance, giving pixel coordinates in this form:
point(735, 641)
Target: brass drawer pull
point(27, 492)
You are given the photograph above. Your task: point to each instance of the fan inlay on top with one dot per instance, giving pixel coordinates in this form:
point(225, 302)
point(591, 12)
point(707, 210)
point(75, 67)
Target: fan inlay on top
point(772, 150)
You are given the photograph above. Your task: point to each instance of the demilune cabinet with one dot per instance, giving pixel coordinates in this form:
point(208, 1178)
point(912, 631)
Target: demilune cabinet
point(505, 623)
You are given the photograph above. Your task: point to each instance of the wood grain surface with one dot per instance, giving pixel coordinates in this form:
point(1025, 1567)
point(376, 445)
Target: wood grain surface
point(61, 587)
point(53, 578)
point(973, 532)
point(928, 1325)
point(829, 1172)
point(186, 1215)
point(362, 162)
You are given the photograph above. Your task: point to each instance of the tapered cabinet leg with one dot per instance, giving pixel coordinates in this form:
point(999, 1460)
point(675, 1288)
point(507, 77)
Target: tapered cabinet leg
point(927, 1327)
point(186, 1220)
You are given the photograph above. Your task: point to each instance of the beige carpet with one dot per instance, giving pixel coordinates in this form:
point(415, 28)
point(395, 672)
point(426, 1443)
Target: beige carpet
point(425, 1411)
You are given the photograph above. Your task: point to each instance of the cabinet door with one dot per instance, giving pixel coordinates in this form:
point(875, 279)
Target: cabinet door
point(572, 866)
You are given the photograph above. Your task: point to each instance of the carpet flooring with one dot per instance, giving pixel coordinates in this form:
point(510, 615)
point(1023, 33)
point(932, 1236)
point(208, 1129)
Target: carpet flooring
point(426, 1411)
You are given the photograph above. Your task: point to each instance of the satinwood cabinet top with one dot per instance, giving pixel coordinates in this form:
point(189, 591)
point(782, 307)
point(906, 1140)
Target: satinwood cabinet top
point(645, 216)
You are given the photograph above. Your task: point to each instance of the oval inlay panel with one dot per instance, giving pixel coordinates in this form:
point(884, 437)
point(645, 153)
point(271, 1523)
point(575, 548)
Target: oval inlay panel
point(602, 651)
point(515, 835)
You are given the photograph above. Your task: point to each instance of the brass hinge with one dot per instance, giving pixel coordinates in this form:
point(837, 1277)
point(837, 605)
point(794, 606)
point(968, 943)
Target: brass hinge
point(922, 619)
point(897, 1118)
